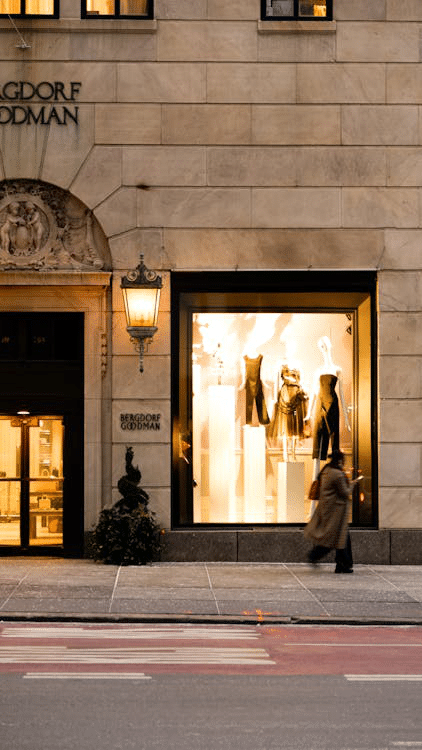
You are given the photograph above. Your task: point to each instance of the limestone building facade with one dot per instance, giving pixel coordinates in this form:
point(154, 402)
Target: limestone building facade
point(269, 168)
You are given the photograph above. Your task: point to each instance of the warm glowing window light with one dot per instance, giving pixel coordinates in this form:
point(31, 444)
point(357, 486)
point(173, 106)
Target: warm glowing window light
point(305, 9)
point(10, 6)
point(100, 7)
point(109, 8)
point(31, 7)
point(40, 7)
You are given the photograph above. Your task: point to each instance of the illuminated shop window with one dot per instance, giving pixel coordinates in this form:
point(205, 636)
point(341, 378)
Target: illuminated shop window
point(117, 8)
point(269, 384)
point(47, 8)
point(297, 9)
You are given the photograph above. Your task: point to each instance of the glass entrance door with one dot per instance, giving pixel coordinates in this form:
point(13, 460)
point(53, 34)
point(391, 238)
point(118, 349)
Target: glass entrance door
point(31, 481)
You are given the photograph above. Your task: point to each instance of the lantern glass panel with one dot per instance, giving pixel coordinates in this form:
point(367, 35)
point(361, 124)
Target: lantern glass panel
point(141, 306)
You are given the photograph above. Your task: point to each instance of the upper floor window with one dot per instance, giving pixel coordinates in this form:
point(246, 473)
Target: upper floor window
point(47, 8)
point(297, 9)
point(117, 8)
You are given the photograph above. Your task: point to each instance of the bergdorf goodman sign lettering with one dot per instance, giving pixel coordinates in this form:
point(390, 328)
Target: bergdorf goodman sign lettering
point(16, 110)
point(140, 421)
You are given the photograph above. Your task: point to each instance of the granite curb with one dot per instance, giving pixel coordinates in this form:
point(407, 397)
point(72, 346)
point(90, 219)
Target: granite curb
point(208, 619)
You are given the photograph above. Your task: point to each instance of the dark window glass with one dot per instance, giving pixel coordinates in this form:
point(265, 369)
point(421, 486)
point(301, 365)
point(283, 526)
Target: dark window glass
point(41, 337)
point(68, 341)
point(9, 339)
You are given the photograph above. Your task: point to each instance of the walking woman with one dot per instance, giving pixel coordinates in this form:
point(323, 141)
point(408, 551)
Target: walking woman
point(328, 528)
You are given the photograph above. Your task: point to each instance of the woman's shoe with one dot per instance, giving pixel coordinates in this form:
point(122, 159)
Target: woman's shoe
point(343, 570)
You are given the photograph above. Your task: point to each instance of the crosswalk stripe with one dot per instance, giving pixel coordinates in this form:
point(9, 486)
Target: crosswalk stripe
point(123, 633)
point(384, 678)
point(85, 676)
point(160, 655)
point(356, 645)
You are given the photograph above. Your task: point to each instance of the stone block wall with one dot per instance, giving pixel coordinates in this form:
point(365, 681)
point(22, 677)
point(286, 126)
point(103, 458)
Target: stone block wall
point(208, 139)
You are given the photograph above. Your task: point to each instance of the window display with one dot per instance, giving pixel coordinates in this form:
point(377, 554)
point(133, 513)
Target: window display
point(248, 467)
point(268, 384)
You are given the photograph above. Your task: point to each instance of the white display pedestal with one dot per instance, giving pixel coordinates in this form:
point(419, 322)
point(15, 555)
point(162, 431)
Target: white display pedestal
point(290, 492)
point(254, 474)
point(222, 478)
point(198, 413)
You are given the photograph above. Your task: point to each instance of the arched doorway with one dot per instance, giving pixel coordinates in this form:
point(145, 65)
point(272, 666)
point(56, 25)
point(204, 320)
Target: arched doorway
point(53, 375)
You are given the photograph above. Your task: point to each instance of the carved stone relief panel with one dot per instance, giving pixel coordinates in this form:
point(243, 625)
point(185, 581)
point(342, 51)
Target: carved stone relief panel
point(43, 227)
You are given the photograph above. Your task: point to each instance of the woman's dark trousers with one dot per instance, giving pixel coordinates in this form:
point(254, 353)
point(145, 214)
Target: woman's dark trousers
point(344, 558)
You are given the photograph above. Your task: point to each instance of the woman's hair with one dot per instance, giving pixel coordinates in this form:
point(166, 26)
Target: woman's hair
point(337, 458)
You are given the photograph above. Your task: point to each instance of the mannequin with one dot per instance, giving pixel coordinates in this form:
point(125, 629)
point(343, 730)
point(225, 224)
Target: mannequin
point(289, 412)
point(263, 330)
point(324, 407)
point(254, 388)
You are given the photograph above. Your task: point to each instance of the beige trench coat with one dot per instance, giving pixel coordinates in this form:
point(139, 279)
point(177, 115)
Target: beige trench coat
point(328, 525)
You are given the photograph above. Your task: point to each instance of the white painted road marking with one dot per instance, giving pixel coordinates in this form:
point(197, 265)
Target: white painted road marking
point(154, 655)
point(85, 676)
point(357, 645)
point(159, 632)
point(384, 678)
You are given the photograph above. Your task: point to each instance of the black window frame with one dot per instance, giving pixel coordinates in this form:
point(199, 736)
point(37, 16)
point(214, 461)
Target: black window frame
point(260, 283)
point(24, 14)
point(296, 16)
point(146, 16)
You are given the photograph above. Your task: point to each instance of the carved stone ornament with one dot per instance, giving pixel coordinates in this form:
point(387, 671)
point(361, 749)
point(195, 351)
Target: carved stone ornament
point(43, 227)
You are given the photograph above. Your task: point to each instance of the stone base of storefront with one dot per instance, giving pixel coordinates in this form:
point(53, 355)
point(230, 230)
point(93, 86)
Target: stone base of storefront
point(370, 547)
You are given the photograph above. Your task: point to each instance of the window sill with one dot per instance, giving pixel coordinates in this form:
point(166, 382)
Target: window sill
point(83, 25)
point(297, 27)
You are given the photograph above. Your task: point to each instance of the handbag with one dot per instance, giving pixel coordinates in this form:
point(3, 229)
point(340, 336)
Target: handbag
point(315, 489)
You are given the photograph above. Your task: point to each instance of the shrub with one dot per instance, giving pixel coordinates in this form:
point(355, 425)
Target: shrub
point(126, 537)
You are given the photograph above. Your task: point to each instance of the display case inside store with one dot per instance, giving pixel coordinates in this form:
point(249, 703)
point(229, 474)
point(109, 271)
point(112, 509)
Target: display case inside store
point(31, 480)
point(273, 395)
point(264, 396)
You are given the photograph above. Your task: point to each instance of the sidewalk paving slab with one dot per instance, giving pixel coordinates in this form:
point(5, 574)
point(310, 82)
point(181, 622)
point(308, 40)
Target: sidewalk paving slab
point(59, 589)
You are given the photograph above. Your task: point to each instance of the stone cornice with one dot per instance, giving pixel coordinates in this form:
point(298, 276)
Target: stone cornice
point(56, 278)
point(297, 27)
point(80, 25)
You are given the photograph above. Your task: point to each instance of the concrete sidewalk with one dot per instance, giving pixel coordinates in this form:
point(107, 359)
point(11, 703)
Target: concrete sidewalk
point(61, 589)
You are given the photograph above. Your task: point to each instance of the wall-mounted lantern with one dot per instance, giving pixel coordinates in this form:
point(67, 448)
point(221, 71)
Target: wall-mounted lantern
point(141, 293)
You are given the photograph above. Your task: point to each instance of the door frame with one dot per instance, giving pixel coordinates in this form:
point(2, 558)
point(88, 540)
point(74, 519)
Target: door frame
point(88, 293)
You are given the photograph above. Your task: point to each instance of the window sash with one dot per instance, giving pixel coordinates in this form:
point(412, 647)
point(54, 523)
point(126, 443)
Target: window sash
point(30, 8)
point(116, 9)
point(297, 15)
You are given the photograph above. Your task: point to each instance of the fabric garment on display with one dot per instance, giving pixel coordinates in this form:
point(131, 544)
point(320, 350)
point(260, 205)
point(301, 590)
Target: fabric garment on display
point(327, 417)
point(254, 390)
point(290, 407)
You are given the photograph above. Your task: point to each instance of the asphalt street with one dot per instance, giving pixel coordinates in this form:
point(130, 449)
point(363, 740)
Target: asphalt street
point(205, 687)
